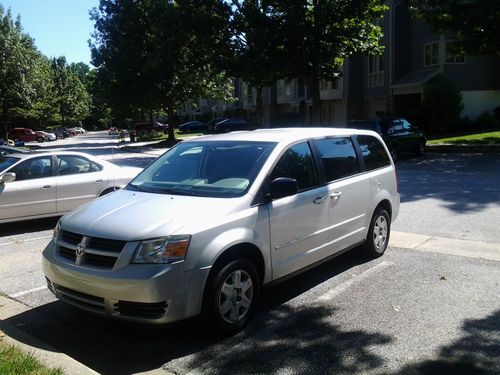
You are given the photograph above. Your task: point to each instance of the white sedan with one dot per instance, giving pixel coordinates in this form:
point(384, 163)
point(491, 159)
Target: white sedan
point(47, 184)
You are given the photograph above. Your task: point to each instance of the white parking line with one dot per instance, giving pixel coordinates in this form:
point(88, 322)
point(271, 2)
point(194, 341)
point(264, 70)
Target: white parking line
point(25, 240)
point(19, 294)
point(345, 285)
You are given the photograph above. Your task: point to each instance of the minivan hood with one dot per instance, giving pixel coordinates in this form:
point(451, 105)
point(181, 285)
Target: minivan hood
point(132, 216)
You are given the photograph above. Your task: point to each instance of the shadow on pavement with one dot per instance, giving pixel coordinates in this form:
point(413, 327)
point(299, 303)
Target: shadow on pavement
point(28, 226)
point(477, 352)
point(465, 183)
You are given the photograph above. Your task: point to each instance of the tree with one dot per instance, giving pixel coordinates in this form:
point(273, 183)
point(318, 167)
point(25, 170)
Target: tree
point(158, 54)
point(17, 62)
point(442, 105)
point(474, 24)
point(320, 34)
point(257, 46)
point(71, 96)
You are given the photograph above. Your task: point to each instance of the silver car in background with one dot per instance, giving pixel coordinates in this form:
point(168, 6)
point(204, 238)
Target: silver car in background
point(205, 226)
point(42, 184)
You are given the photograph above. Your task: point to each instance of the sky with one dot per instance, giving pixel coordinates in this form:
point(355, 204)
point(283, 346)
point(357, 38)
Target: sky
point(59, 27)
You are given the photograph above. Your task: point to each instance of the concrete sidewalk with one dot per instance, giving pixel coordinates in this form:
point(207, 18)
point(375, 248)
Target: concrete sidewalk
point(55, 359)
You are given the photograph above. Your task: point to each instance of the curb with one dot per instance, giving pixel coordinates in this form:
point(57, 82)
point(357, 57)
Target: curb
point(463, 149)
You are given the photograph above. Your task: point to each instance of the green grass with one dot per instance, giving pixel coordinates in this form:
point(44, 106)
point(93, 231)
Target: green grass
point(487, 138)
point(14, 361)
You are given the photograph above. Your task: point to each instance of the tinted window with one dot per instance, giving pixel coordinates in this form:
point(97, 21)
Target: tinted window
point(33, 168)
point(399, 126)
point(70, 164)
point(338, 157)
point(373, 152)
point(297, 162)
point(6, 162)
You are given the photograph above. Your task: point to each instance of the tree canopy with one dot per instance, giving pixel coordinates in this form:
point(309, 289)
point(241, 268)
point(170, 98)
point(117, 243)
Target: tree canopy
point(474, 24)
point(157, 54)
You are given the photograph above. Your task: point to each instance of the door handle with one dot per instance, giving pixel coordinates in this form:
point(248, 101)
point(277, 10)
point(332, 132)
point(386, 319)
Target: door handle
point(319, 200)
point(46, 187)
point(100, 180)
point(335, 195)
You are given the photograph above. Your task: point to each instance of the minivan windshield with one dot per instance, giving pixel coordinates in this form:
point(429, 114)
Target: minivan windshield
point(223, 169)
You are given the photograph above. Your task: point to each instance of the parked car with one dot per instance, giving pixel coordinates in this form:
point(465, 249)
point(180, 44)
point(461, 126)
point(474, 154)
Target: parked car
point(232, 124)
point(80, 129)
point(46, 136)
point(193, 126)
point(25, 135)
point(8, 150)
point(211, 123)
point(47, 184)
point(72, 131)
point(60, 133)
point(398, 134)
point(148, 127)
point(216, 218)
point(113, 131)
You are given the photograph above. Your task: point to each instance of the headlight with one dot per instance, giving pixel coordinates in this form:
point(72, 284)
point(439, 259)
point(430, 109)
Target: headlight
point(57, 229)
point(162, 250)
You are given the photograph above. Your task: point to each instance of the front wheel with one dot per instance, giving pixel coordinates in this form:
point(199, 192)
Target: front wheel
point(40, 139)
point(230, 296)
point(378, 234)
point(421, 149)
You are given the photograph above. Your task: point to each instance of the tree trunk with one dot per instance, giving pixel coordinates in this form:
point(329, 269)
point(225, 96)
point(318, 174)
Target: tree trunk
point(170, 115)
point(316, 102)
point(5, 124)
point(259, 108)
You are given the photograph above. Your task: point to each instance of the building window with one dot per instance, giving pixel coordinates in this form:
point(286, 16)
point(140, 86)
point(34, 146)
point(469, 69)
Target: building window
point(431, 54)
point(375, 71)
point(451, 56)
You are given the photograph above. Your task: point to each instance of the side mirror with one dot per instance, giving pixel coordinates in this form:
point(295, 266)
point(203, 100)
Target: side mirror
point(8, 177)
point(283, 187)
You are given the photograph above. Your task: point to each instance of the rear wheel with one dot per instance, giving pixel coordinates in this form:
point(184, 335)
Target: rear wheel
point(394, 153)
point(40, 139)
point(230, 296)
point(378, 234)
point(421, 149)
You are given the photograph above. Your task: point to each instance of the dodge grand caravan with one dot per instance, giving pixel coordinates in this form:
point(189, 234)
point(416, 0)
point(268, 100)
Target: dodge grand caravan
point(203, 228)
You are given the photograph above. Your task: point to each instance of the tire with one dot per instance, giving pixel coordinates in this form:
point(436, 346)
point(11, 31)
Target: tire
point(40, 139)
point(109, 190)
point(227, 130)
point(394, 153)
point(378, 235)
point(227, 308)
point(421, 149)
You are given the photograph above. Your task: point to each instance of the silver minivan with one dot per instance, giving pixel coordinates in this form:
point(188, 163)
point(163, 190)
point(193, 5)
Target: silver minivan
point(203, 228)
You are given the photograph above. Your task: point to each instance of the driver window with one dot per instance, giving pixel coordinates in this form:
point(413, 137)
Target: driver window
point(297, 162)
point(33, 168)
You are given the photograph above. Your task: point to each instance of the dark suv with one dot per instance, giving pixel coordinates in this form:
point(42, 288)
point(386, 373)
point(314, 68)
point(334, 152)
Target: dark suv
point(398, 134)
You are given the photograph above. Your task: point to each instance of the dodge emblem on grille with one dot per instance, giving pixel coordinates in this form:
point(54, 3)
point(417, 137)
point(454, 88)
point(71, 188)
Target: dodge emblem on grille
point(80, 250)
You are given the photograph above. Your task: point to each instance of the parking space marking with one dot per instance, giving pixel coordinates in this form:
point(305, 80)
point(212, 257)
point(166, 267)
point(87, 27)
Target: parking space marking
point(23, 293)
point(25, 240)
point(347, 284)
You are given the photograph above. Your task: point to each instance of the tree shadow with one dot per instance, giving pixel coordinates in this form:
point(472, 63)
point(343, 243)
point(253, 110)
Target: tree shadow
point(477, 352)
point(464, 183)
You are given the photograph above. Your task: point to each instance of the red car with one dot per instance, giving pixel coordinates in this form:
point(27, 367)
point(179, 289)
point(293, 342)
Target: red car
point(25, 135)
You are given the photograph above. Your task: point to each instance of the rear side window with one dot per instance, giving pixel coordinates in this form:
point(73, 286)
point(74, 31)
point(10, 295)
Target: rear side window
point(373, 152)
point(338, 157)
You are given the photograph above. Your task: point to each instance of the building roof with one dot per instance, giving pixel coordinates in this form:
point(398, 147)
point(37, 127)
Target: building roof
point(416, 78)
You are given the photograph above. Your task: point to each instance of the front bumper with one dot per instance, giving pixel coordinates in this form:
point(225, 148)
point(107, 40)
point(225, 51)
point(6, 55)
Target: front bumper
point(144, 293)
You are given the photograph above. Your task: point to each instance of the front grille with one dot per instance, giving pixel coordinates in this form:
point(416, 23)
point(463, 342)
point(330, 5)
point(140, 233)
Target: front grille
point(142, 310)
point(71, 238)
point(67, 253)
point(83, 300)
point(99, 252)
point(106, 245)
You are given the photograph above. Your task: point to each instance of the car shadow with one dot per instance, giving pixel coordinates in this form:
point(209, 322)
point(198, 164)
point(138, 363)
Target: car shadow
point(28, 226)
point(111, 347)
